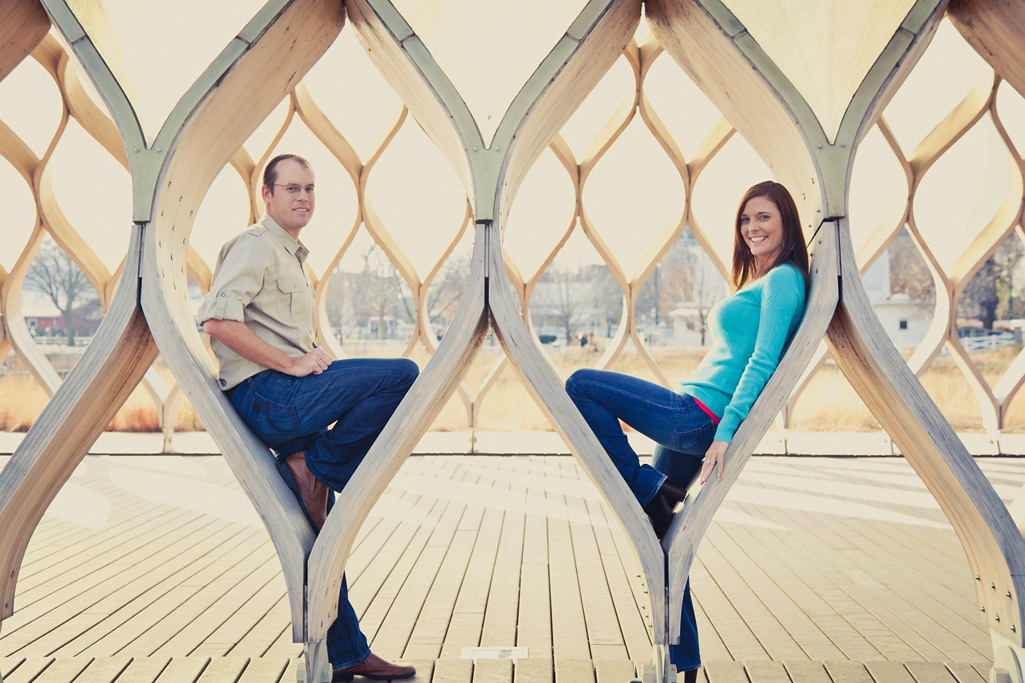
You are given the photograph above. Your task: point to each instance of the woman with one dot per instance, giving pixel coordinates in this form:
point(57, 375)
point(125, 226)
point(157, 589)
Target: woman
point(694, 425)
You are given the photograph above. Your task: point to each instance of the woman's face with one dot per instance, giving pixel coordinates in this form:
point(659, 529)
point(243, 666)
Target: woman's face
point(761, 226)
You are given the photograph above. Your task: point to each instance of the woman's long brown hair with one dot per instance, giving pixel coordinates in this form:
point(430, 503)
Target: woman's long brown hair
point(792, 249)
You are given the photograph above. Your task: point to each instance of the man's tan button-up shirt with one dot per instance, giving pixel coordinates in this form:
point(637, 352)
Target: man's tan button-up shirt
point(259, 280)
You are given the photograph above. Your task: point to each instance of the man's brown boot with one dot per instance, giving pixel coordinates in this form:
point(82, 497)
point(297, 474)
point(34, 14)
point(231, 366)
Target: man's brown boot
point(312, 493)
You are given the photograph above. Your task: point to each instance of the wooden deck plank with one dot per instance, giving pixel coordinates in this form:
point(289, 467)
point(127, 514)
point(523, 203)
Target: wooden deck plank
point(533, 671)
point(534, 621)
point(492, 671)
point(143, 670)
point(967, 643)
point(766, 672)
point(63, 670)
point(890, 622)
point(140, 615)
point(614, 671)
point(847, 672)
point(392, 617)
point(27, 670)
point(104, 669)
point(500, 618)
point(236, 589)
point(484, 515)
point(267, 629)
point(452, 671)
point(930, 672)
point(965, 673)
point(183, 670)
point(604, 634)
point(725, 672)
point(224, 670)
point(815, 624)
point(628, 613)
point(265, 670)
point(742, 644)
point(569, 632)
point(806, 672)
point(712, 647)
point(766, 611)
point(574, 671)
point(889, 672)
point(194, 612)
point(138, 589)
point(872, 618)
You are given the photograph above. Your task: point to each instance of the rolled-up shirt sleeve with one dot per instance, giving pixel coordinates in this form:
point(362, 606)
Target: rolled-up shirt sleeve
point(237, 281)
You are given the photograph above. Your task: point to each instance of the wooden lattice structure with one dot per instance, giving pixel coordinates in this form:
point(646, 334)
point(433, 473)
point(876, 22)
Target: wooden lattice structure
point(805, 112)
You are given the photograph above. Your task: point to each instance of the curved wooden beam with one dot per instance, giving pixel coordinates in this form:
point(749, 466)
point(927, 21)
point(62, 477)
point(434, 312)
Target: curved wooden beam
point(715, 49)
point(994, 28)
point(23, 25)
point(80, 410)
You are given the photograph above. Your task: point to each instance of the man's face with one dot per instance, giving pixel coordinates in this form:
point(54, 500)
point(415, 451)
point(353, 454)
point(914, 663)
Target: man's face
point(291, 210)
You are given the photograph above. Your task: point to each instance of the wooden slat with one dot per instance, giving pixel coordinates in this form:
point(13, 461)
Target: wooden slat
point(224, 670)
point(266, 670)
point(613, 671)
point(104, 669)
point(847, 672)
point(63, 670)
point(726, 672)
point(888, 672)
point(574, 671)
point(766, 672)
point(930, 672)
point(965, 673)
point(807, 672)
point(183, 670)
point(533, 671)
point(493, 671)
point(452, 671)
point(569, 632)
point(144, 670)
point(27, 670)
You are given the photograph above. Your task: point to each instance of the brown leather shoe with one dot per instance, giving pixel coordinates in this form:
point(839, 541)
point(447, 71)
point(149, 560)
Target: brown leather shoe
point(373, 667)
point(312, 493)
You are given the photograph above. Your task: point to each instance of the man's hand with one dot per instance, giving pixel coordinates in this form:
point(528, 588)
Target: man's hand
point(240, 339)
point(312, 363)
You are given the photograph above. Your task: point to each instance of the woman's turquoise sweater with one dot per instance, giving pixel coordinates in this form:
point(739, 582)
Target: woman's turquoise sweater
point(750, 330)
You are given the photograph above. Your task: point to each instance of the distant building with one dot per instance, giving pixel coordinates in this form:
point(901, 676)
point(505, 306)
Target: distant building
point(906, 321)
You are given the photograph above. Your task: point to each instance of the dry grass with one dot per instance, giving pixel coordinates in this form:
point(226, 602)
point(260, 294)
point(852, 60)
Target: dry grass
point(827, 404)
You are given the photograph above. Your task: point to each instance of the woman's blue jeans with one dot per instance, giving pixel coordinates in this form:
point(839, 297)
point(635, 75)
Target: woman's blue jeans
point(683, 432)
point(293, 414)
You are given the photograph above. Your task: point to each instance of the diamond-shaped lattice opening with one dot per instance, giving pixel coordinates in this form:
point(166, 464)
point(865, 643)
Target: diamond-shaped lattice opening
point(830, 404)
point(990, 310)
point(369, 305)
point(945, 74)
point(30, 105)
point(672, 309)
point(617, 86)
point(678, 102)
point(879, 191)
point(1010, 108)
point(901, 290)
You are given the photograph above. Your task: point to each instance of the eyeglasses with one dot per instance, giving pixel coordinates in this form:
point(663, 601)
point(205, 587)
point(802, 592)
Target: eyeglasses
point(296, 189)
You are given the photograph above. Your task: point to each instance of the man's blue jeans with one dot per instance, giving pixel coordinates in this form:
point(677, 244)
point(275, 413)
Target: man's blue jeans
point(683, 432)
point(293, 414)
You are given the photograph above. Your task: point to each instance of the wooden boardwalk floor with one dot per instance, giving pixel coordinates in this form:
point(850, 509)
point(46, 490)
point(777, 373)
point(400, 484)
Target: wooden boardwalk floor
point(157, 568)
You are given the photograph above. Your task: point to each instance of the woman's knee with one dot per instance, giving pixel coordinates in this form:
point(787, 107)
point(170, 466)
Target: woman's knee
point(576, 384)
point(407, 370)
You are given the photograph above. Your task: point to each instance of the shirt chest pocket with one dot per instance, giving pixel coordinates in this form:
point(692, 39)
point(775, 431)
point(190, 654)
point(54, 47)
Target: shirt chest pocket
point(294, 298)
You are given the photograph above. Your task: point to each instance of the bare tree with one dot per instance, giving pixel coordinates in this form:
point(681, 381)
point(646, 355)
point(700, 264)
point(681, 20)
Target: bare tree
point(989, 295)
point(605, 297)
point(909, 273)
point(446, 291)
point(53, 274)
point(380, 287)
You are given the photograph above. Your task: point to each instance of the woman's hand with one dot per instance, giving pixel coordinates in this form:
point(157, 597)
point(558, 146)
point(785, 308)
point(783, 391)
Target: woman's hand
point(714, 456)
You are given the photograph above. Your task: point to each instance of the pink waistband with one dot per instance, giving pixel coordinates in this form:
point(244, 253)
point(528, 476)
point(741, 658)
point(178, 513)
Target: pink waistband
point(715, 418)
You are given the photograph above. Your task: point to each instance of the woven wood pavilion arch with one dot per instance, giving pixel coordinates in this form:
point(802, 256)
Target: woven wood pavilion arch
point(807, 137)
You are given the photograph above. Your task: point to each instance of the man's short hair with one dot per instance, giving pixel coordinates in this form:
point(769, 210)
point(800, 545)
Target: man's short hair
point(270, 174)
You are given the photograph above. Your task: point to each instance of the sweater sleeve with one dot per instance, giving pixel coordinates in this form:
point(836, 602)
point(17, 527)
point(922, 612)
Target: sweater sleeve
point(782, 301)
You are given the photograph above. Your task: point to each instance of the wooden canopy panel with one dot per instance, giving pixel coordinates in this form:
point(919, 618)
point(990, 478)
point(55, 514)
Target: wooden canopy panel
point(23, 24)
point(994, 28)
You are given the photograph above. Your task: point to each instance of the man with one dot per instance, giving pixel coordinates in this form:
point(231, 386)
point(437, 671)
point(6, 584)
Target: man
point(261, 315)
